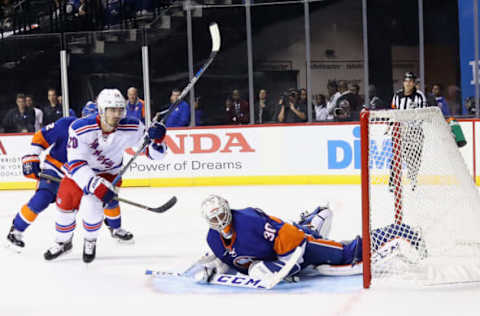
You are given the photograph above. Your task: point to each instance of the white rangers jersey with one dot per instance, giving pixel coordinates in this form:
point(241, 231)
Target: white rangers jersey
point(415, 100)
point(91, 152)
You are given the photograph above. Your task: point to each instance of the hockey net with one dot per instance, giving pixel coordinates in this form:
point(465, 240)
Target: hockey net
point(421, 208)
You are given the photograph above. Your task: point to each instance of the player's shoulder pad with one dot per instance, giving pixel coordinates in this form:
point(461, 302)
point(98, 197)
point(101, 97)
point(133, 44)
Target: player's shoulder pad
point(128, 124)
point(249, 216)
point(85, 125)
point(65, 122)
point(129, 121)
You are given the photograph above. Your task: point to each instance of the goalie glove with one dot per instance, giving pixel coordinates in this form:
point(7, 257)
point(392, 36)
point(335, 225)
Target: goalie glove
point(101, 188)
point(31, 166)
point(207, 270)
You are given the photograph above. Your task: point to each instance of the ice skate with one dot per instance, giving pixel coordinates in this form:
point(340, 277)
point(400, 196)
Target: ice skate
point(89, 250)
point(58, 249)
point(15, 239)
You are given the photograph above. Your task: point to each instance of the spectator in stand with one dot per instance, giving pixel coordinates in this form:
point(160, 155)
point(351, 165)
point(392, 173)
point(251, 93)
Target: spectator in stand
point(430, 98)
point(7, 10)
point(333, 95)
point(53, 111)
point(343, 111)
point(264, 109)
point(346, 103)
point(135, 105)
point(198, 111)
point(112, 12)
point(355, 90)
point(454, 101)
point(181, 115)
point(303, 97)
point(375, 103)
point(144, 8)
point(290, 110)
point(238, 110)
point(320, 107)
point(440, 100)
point(20, 119)
point(38, 112)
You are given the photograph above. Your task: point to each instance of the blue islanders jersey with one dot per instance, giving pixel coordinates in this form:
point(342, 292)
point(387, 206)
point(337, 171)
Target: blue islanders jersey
point(256, 236)
point(55, 134)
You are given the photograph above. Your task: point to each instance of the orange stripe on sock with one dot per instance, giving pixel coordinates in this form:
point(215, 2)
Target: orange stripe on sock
point(28, 214)
point(112, 212)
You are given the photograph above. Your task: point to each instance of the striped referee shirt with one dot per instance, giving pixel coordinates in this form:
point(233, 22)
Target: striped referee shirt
point(415, 100)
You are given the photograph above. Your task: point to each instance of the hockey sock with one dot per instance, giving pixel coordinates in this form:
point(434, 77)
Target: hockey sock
point(113, 217)
point(91, 229)
point(28, 213)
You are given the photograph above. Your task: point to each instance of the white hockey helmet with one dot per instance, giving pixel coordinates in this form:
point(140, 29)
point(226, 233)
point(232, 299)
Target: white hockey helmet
point(110, 98)
point(216, 212)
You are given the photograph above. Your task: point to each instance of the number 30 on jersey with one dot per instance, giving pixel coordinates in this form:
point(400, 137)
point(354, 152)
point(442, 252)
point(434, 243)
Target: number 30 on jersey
point(269, 233)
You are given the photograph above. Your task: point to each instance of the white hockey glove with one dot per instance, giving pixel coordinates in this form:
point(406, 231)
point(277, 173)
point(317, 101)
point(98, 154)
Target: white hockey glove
point(208, 269)
point(102, 189)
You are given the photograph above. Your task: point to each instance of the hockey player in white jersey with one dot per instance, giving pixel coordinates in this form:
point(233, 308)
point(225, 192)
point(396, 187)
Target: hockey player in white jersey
point(95, 153)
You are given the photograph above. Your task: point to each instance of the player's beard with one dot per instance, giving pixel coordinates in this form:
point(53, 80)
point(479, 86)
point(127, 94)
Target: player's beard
point(110, 126)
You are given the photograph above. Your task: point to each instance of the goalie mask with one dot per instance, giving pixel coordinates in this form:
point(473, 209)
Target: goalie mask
point(216, 211)
point(110, 98)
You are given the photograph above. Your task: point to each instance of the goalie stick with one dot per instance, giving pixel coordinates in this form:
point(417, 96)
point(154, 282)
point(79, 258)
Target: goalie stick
point(216, 41)
point(235, 280)
point(162, 208)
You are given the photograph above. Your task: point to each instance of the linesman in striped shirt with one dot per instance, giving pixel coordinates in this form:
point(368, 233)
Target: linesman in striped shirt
point(409, 97)
point(407, 138)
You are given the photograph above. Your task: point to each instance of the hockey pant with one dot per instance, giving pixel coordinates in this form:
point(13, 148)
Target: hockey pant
point(71, 198)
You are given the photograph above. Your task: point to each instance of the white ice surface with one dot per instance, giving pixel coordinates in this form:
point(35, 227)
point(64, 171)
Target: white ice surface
point(115, 284)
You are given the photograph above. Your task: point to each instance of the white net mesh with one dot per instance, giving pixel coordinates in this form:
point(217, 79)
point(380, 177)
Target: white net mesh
point(424, 206)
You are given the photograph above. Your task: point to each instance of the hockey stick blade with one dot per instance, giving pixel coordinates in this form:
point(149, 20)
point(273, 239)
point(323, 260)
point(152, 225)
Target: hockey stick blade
point(216, 42)
point(162, 208)
point(215, 35)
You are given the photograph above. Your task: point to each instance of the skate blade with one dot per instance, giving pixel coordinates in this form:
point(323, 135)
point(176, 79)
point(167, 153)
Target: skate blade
point(13, 248)
point(125, 242)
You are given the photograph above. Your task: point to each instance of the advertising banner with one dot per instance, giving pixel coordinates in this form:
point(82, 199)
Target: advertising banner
point(285, 154)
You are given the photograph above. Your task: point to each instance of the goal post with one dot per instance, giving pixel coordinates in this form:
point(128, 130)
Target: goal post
point(420, 206)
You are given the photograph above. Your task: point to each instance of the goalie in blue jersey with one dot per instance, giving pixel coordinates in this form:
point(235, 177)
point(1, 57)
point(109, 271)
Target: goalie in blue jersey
point(253, 243)
point(259, 245)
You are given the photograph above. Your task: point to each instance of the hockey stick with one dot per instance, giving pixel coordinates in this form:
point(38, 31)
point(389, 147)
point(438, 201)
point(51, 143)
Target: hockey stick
point(216, 41)
point(236, 280)
point(162, 208)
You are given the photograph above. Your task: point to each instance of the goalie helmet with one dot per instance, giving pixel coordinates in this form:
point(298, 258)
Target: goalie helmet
point(110, 98)
point(216, 211)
